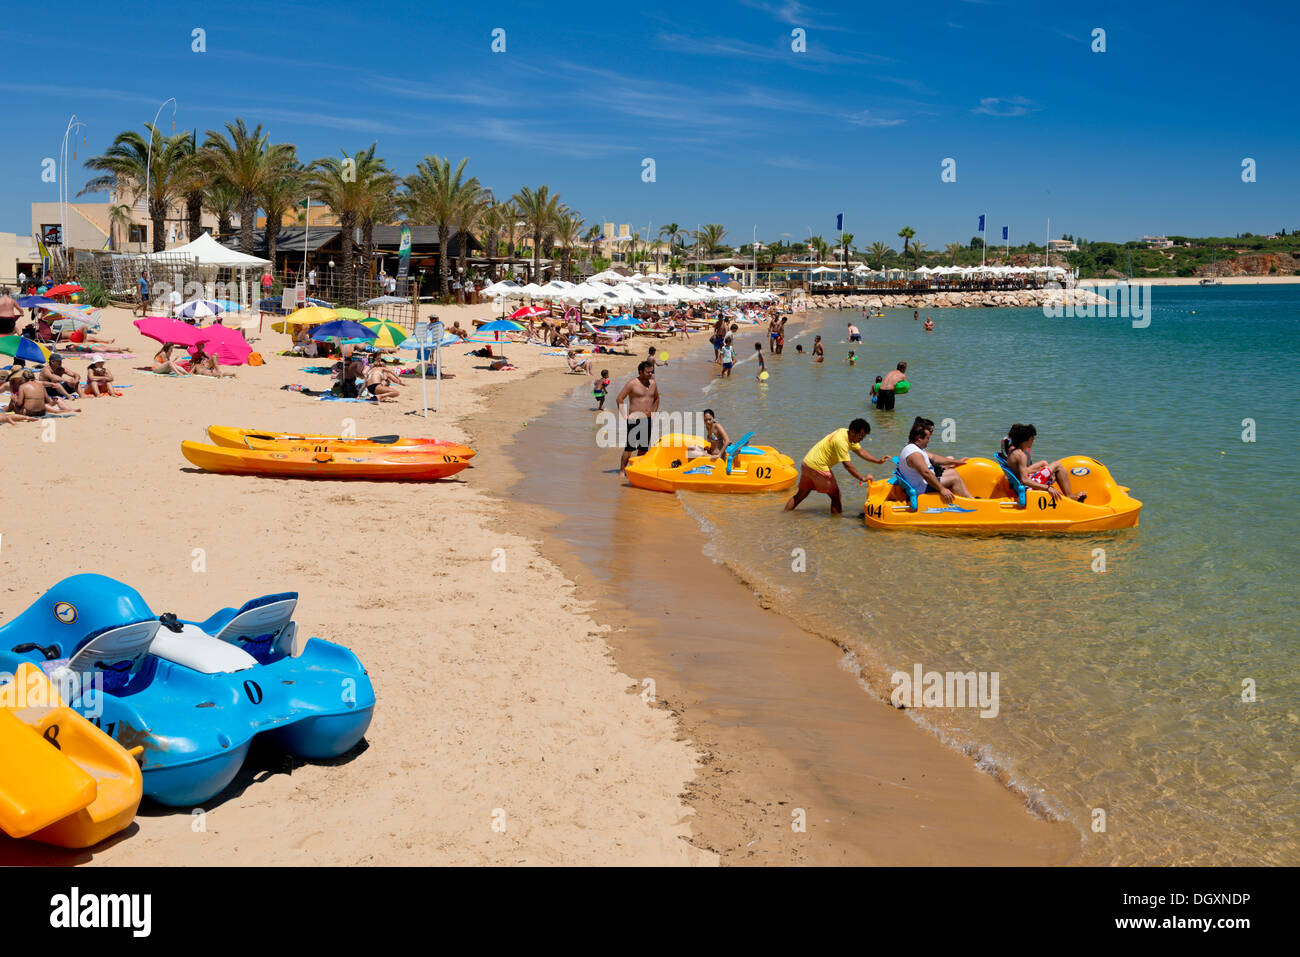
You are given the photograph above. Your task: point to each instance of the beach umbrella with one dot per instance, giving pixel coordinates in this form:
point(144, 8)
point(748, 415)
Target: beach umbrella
point(527, 312)
point(33, 302)
point(339, 331)
point(64, 289)
point(356, 315)
point(20, 347)
point(167, 330)
point(387, 301)
point(721, 277)
point(501, 325)
point(73, 323)
point(387, 334)
point(310, 316)
point(622, 321)
point(70, 311)
point(229, 346)
point(199, 308)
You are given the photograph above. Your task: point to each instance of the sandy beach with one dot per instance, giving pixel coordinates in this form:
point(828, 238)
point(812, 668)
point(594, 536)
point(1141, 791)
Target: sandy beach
point(510, 695)
point(496, 693)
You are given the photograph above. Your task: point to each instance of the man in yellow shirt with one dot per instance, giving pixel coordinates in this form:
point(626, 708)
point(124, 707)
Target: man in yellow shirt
point(816, 475)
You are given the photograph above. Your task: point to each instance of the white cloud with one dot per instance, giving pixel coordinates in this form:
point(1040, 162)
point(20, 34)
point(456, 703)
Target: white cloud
point(1006, 106)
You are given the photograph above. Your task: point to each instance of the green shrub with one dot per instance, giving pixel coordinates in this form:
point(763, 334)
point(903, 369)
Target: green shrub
point(94, 294)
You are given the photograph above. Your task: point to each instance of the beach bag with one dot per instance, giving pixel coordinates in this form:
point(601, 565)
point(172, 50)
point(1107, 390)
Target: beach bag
point(255, 358)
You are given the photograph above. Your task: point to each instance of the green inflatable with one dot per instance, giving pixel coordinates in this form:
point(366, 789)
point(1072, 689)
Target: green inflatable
point(901, 387)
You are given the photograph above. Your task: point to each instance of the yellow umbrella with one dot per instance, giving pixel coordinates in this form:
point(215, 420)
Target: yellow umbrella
point(307, 316)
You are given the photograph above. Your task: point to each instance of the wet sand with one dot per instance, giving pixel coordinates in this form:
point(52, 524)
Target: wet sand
point(783, 727)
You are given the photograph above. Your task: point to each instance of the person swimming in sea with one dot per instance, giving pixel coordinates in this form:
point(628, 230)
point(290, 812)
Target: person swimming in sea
point(875, 388)
point(853, 359)
point(819, 351)
point(929, 324)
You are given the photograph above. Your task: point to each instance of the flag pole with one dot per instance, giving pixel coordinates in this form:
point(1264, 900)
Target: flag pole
point(984, 236)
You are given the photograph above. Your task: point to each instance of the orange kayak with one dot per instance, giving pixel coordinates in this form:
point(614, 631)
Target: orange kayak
point(232, 438)
point(375, 465)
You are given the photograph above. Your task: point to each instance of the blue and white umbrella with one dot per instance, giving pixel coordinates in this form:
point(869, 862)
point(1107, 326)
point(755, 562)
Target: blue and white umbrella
point(201, 309)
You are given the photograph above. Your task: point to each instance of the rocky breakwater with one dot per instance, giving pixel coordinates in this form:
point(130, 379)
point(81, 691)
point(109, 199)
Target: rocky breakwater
point(1006, 298)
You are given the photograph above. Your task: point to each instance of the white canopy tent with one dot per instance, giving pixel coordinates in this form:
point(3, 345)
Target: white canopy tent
point(206, 252)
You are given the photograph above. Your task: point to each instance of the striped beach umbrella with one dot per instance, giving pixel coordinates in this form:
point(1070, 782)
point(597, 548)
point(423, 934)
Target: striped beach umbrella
point(20, 347)
point(201, 308)
point(387, 335)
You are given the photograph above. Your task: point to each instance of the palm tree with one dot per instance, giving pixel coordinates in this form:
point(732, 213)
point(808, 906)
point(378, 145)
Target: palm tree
point(129, 162)
point(569, 234)
point(469, 219)
point(879, 251)
point(537, 208)
point(244, 161)
point(195, 179)
point(712, 235)
point(846, 243)
point(905, 234)
point(819, 246)
point(222, 201)
point(952, 249)
point(333, 181)
point(378, 203)
point(593, 239)
point(119, 214)
point(673, 233)
point(493, 223)
point(434, 194)
point(917, 249)
point(277, 196)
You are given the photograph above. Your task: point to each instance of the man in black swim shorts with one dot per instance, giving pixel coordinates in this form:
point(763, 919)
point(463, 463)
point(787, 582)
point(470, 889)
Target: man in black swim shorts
point(638, 435)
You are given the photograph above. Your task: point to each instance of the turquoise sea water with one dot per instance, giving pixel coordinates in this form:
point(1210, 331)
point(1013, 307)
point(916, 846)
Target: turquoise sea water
point(1120, 691)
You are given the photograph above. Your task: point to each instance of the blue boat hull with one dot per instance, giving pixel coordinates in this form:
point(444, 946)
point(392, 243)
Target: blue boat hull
point(195, 729)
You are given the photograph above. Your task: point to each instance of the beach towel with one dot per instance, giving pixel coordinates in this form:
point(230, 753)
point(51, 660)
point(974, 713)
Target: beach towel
point(161, 375)
point(318, 370)
point(339, 398)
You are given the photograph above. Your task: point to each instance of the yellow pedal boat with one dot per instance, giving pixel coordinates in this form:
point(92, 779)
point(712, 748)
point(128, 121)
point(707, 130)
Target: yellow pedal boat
point(744, 468)
point(63, 781)
point(1001, 504)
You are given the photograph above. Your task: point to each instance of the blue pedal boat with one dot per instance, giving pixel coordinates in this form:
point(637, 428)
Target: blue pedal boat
point(193, 694)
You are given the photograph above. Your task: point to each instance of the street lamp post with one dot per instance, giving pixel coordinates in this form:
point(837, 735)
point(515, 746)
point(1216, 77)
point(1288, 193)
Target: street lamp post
point(73, 123)
point(148, 171)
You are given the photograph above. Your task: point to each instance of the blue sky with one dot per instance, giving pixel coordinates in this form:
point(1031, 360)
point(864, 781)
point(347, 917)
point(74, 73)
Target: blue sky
point(1147, 137)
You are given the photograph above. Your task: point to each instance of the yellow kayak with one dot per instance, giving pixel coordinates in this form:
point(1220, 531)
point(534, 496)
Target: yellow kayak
point(62, 781)
point(233, 438)
point(745, 468)
point(997, 507)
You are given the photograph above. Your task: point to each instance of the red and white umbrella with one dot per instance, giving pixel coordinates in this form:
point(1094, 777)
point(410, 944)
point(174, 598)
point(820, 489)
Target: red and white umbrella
point(529, 311)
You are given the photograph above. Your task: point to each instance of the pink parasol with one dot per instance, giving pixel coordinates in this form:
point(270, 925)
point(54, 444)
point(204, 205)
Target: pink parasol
point(169, 330)
point(228, 345)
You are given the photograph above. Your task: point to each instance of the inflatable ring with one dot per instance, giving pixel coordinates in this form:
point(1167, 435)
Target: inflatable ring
point(901, 387)
point(571, 314)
